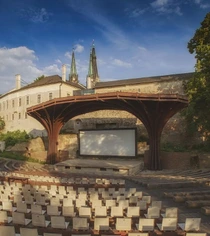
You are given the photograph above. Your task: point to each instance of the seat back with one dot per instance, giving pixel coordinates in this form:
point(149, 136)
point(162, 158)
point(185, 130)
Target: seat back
point(18, 218)
point(22, 207)
point(100, 211)
point(85, 212)
point(169, 224)
point(7, 205)
point(123, 224)
point(192, 224)
point(153, 212)
point(3, 217)
point(101, 223)
point(146, 224)
point(68, 211)
point(38, 220)
point(58, 222)
point(7, 230)
point(80, 223)
point(116, 211)
point(27, 232)
point(133, 211)
point(36, 209)
point(52, 210)
point(171, 212)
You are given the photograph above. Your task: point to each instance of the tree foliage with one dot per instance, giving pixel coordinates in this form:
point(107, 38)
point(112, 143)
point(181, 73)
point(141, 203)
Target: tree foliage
point(2, 124)
point(13, 137)
point(198, 88)
point(39, 78)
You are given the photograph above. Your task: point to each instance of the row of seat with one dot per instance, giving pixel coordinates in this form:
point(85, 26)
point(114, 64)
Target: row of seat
point(10, 231)
point(53, 179)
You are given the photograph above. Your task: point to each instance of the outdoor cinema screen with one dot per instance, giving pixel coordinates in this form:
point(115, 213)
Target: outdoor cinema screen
point(115, 142)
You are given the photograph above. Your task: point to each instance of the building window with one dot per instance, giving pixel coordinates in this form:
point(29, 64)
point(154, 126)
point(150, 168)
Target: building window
point(13, 116)
point(0, 106)
point(68, 94)
point(19, 102)
point(13, 103)
point(7, 104)
point(26, 115)
point(19, 115)
point(3, 106)
point(38, 98)
point(50, 96)
point(27, 100)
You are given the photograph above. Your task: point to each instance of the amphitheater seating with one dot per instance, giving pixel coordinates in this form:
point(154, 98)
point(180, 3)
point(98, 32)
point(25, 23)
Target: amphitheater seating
point(191, 224)
point(168, 224)
point(101, 223)
point(146, 224)
point(123, 224)
point(7, 230)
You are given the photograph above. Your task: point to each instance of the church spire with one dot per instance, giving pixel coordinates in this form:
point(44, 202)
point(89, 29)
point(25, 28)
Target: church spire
point(92, 77)
point(73, 76)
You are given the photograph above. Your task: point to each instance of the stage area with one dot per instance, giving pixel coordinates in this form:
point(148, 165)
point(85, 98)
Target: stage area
point(108, 166)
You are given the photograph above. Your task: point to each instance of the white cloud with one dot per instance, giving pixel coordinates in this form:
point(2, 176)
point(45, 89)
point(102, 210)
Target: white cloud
point(21, 60)
point(68, 55)
point(118, 62)
point(78, 48)
point(159, 3)
point(142, 48)
point(197, 1)
point(204, 6)
point(58, 61)
point(36, 15)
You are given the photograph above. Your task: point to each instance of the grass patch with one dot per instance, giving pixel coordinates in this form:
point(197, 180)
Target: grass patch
point(19, 157)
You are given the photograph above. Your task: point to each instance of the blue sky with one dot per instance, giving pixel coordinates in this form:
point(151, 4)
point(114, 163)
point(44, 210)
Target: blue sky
point(133, 38)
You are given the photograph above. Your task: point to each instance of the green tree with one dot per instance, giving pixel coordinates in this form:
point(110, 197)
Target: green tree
point(2, 124)
point(39, 78)
point(198, 88)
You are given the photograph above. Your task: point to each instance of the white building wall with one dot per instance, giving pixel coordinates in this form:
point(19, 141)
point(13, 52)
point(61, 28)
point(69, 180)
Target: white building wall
point(13, 106)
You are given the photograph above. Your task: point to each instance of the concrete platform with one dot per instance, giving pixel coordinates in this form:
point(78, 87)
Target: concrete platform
point(108, 166)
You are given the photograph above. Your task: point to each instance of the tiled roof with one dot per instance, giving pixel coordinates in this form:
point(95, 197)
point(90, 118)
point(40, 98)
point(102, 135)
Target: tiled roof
point(48, 80)
point(144, 80)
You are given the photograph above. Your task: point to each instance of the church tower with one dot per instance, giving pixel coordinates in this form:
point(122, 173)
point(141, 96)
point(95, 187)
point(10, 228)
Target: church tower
point(73, 76)
point(92, 77)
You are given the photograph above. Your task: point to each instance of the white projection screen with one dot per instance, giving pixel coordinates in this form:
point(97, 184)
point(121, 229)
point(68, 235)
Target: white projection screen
point(115, 142)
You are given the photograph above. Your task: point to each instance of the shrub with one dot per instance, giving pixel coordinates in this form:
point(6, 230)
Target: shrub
point(11, 138)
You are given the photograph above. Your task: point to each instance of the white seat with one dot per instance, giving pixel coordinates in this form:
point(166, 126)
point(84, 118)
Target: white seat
point(55, 201)
point(22, 207)
point(153, 212)
point(67, 202)
point(116, 211)
point(101, 223)
point(53, 210)
point(29, 199)
point(110, 202)
point(146, 224)
point(19, 218)
point(37, 209)
point(39, 220)
point(138, 194)
point(156, 204)
point(123, 224)
point(58, 222)
point(123, 203)
point(168, 224)
point(68, 211)
point(80, 202)
point(7, 206)
point(133, 211)
point(191, 224)
point(4, 218)
point(96, 203)
point(27, 232)
point(147, 199)
point(85, 212)
point(80, 223)
point(133, 199)
point(100, 211)
point(170, 212)
point(142, 205)
point(7, 230)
